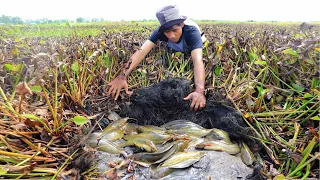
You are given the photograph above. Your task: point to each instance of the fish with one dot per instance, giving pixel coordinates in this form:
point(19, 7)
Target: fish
point(195, 141)
point(140, 142)
point(185, 127)
point(218, 134)
point(120, 123)
point(114, 134)
point(94, 137)
point(183, 159)
point(150, 128)
point(166, 146)
point(177, 124)
point(157, 138)
point(147, 159)
point(247, 156)
point(182, 145)
point(196, 131)
point(168, 154)
point(113, 116)
point(219, 145)
point(106, 146)
point(161, 172)
point(131, 129)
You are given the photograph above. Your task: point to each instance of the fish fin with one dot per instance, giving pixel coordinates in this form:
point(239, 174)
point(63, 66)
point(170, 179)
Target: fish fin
point(207, 144)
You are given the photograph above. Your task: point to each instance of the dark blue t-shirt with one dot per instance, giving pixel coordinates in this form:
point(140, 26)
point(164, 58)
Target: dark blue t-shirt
point(190, 38)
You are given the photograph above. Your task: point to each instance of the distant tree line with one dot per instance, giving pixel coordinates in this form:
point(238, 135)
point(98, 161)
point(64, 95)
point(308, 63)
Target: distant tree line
point(17, 20)
point(10, 20)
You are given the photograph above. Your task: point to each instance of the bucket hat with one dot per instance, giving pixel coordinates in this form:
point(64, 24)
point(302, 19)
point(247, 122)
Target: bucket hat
point(169, 16)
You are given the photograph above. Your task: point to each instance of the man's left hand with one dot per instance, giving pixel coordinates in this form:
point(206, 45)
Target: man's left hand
point(198, 101)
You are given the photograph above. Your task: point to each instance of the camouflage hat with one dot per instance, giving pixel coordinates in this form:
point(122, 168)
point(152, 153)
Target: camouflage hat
point(169, 16)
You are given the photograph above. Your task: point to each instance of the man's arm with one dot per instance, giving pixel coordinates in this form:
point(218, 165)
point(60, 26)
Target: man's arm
point(194, 41)
point(137, 57)
point(199, 72)
point(198, 98)
point(120, 81)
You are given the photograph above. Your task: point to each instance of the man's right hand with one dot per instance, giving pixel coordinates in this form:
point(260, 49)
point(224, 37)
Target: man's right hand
point(117, 84)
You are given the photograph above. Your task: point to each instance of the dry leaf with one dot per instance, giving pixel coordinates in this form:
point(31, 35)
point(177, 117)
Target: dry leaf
point(23, 88)
point(149, 60)
point(31, 123)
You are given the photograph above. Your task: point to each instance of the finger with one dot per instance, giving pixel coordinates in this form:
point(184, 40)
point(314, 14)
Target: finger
point(196, 107)
point(126, 88)
point(202, 105)
point(188, 97)
point(110, 83)
point(118, 93)
point(192, 105)
point(110, 90)
point(114, 91)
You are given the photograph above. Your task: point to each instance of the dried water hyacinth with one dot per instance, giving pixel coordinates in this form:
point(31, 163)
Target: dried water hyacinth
point(23, 88)
point(268, 71)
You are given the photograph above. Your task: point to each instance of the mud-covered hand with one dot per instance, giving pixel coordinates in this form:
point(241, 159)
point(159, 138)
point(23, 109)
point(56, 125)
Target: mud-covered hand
point(117, 84)
point(198, 101)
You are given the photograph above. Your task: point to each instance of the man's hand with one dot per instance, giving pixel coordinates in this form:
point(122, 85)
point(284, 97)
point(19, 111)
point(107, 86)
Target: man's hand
point(198, 101)
point(117, 84)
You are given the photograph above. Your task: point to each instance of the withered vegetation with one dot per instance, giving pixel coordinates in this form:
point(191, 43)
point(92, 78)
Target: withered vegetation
point(53, 81)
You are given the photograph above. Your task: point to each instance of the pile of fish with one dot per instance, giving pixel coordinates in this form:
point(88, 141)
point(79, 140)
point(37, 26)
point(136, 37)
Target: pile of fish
point(177, 144)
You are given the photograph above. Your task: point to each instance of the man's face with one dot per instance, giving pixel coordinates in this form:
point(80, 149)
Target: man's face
point(174, 33)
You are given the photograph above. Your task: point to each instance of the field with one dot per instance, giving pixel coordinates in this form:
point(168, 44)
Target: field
point(53, 83)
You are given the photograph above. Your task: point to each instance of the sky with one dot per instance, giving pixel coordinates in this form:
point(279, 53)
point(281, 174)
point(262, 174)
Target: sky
point(116, 10)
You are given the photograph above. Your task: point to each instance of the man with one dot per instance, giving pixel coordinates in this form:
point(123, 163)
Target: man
point(181, 35)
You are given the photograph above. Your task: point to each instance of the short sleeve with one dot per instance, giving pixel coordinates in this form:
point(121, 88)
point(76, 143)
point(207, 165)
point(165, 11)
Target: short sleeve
point(154, 37)
point(193, 38)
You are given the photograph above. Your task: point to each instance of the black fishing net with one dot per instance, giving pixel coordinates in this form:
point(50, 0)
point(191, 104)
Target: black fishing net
point(163, 102)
